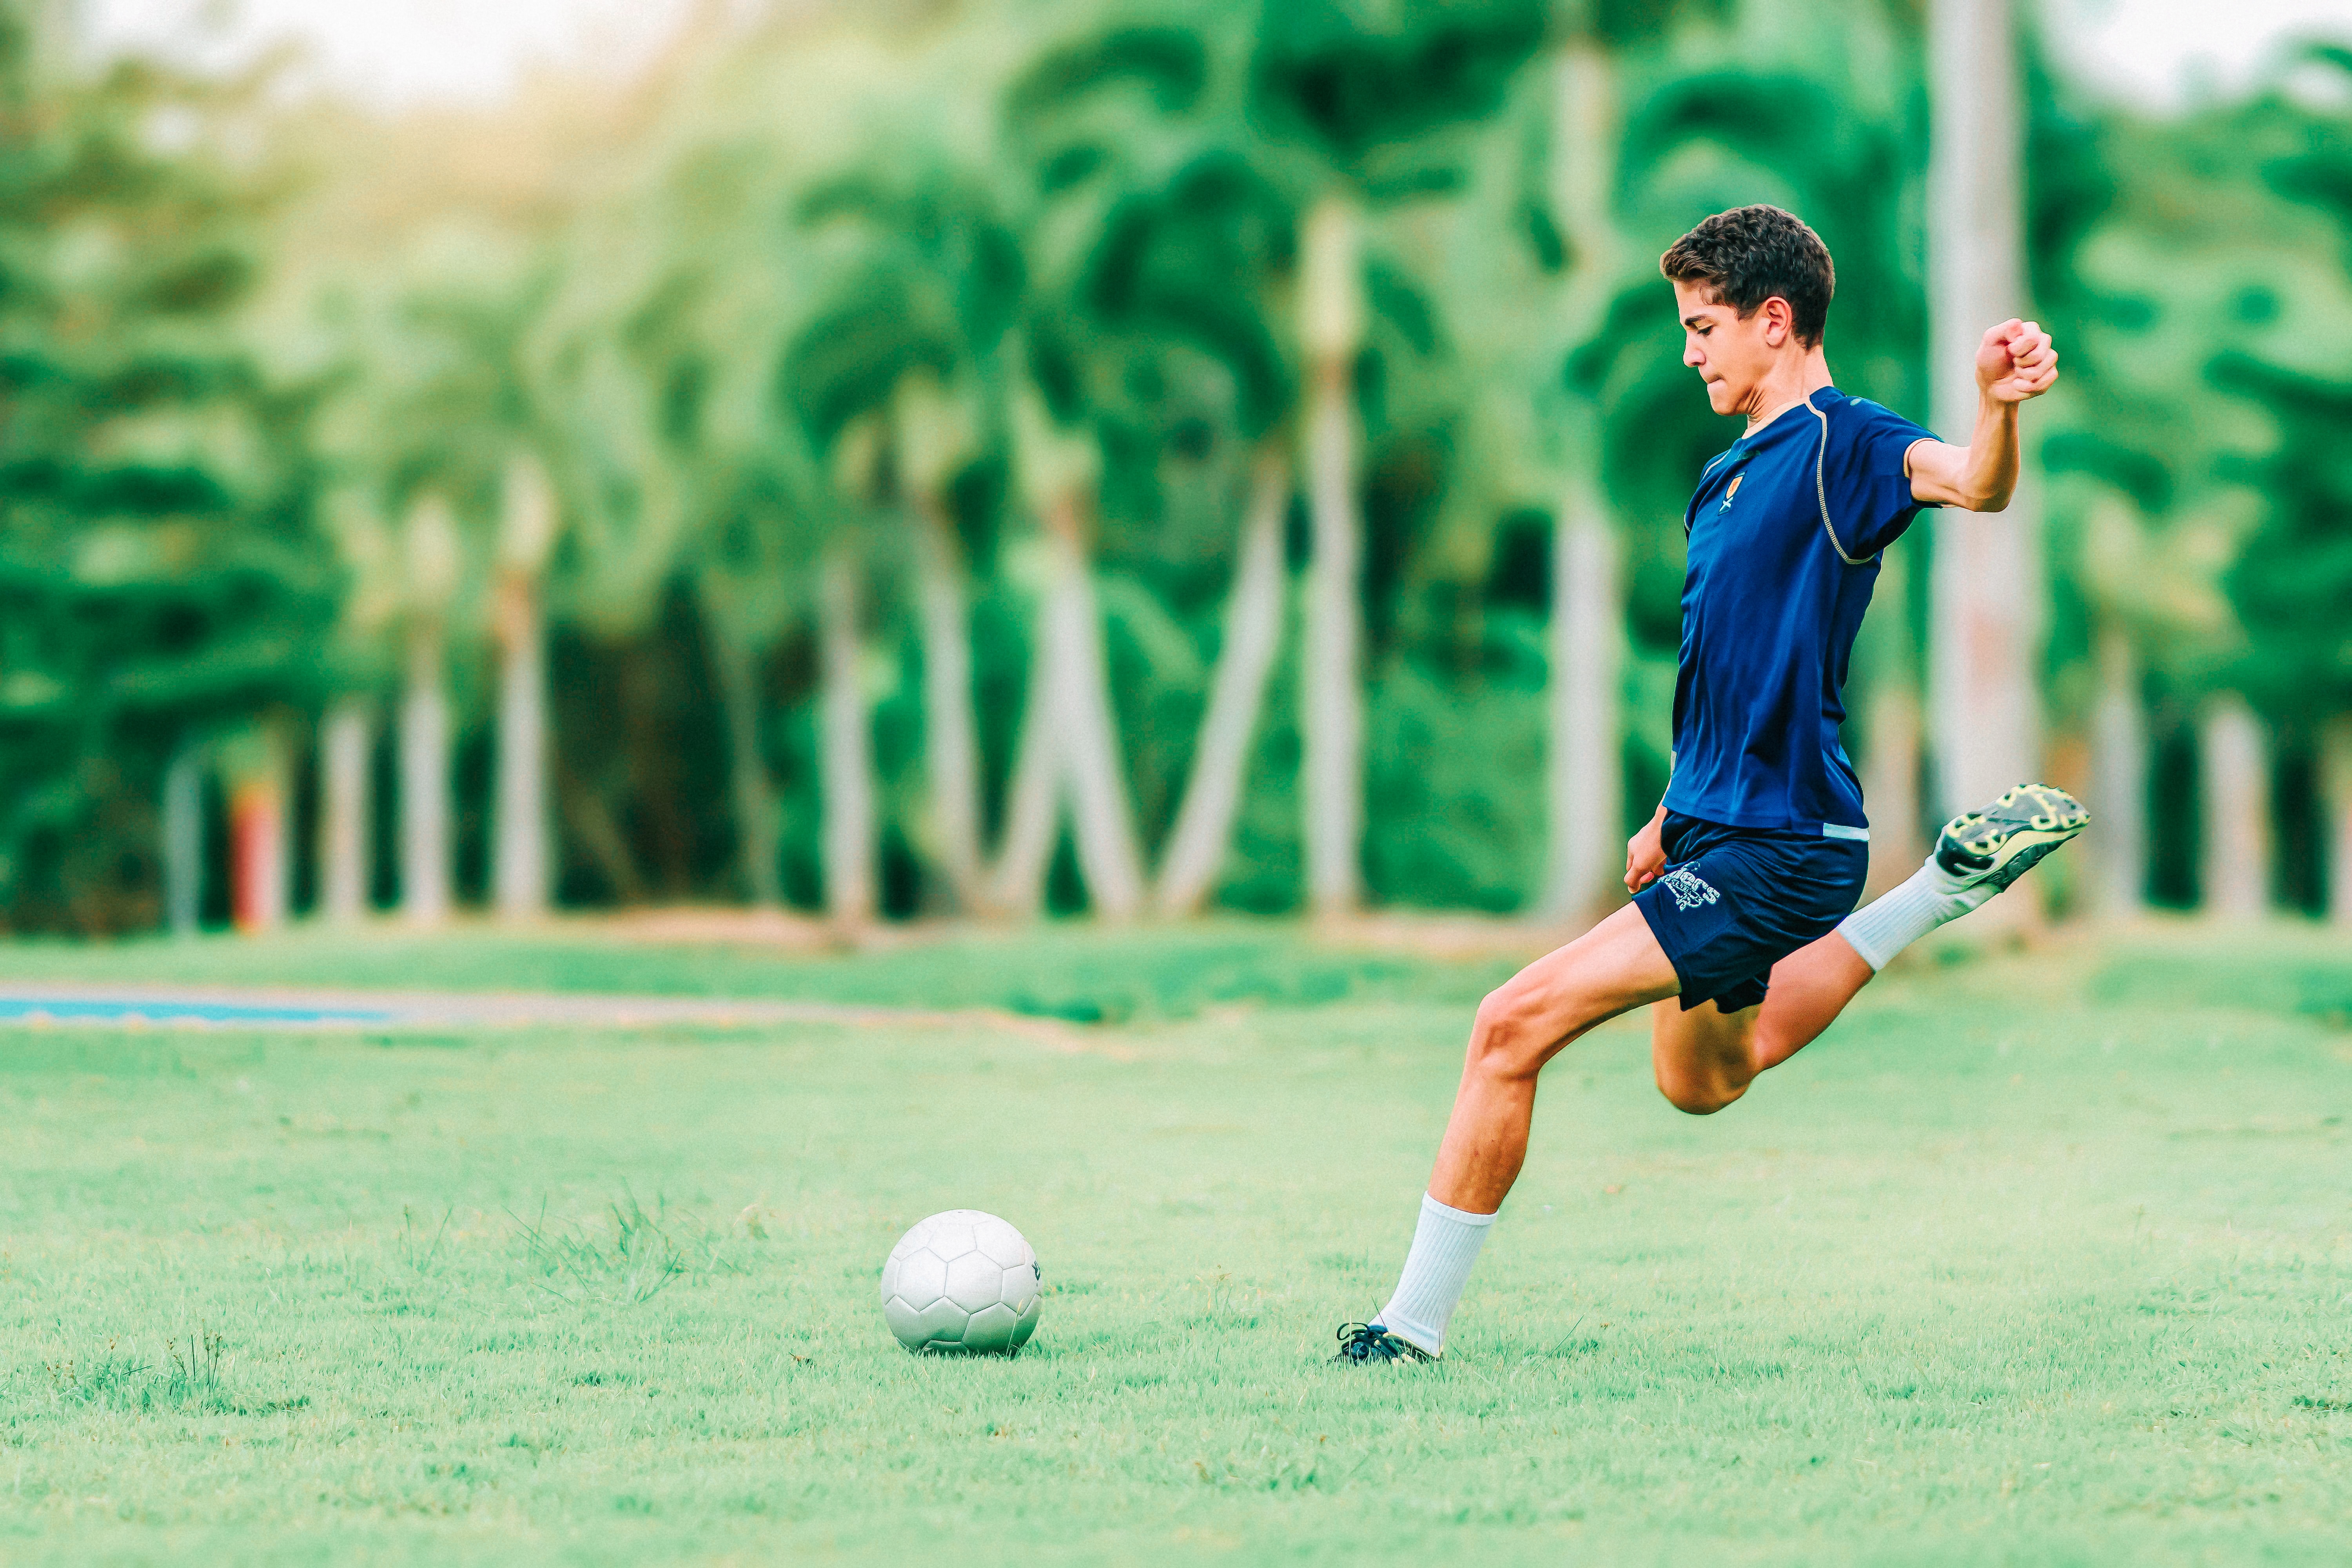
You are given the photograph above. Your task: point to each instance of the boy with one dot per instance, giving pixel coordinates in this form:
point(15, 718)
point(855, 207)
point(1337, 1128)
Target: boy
point(1738, 933)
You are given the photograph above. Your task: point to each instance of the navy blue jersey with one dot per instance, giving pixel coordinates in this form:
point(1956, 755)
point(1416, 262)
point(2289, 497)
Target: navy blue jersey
point(1770, 606)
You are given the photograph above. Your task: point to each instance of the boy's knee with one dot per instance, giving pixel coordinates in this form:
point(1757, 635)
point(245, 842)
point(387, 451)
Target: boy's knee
point(1695, 1097)
point(1507, 1037)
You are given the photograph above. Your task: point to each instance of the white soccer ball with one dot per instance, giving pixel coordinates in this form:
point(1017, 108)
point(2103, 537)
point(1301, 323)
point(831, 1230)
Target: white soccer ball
point(962, 1281)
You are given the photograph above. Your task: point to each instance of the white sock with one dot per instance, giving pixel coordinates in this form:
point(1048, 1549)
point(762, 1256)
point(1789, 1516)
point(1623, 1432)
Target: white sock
point(1444, 1245)
point(1888, 924)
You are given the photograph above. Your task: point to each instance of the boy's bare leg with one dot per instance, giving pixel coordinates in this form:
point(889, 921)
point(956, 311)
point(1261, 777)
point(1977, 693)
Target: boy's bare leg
point(1705, 1058)
point(1613, 968)
point(1810, 988)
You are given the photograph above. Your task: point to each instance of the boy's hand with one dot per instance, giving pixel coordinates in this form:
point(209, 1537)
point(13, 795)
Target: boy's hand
point(1645, 856)
point(2016, 362)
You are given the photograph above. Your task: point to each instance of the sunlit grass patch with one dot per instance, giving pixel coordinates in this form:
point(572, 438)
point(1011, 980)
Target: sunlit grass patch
point(2001, 1270)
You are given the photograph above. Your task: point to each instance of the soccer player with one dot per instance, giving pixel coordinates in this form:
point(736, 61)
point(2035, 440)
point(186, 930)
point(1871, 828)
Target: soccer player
point(1738, 933)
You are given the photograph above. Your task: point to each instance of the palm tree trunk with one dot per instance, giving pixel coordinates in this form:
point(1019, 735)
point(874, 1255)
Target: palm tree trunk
point(1331, 724)
point(424, 783)
point(2120, 781)
point(2235, 788)
point(1585, 771)
point(183, 840)
point(520, 874)
point(1102, 820)
point(951, 749)
point(1205, 821)
point(846, 748)
point(1986, 590)
point(344, 744)
point(2336, 800)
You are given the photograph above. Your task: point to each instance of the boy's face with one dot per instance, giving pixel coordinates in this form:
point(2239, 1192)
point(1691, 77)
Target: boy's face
point(1731, 354)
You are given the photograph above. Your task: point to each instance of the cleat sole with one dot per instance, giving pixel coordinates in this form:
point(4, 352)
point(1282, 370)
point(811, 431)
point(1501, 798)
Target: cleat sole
point(2011, 835)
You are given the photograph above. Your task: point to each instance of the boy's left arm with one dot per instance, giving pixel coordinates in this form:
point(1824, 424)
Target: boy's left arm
point(2015, 362)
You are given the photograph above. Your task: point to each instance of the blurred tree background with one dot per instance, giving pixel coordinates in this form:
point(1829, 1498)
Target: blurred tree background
point(985, 459)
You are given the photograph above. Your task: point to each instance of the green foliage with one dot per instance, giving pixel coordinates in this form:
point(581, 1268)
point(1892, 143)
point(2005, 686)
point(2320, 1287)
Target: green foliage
point(1369, 83)
point(2292, 581)
point(2199, 498)
point(159, 572)
point(761, 335)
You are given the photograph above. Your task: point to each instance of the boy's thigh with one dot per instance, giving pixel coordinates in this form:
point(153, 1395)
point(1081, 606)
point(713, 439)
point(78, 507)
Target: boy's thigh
point(1613, 968)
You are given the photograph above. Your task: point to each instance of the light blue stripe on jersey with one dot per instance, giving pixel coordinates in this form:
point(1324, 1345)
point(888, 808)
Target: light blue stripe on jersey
point(1835, 830)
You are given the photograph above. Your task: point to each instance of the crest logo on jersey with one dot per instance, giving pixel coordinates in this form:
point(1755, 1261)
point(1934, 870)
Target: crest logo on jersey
point(1689, 892)
point(1732, 491)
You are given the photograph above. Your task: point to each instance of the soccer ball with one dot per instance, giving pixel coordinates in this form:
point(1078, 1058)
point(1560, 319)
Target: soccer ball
point(962, 1281)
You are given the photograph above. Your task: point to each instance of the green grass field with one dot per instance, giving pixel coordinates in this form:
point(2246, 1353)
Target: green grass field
point(2032, 1259)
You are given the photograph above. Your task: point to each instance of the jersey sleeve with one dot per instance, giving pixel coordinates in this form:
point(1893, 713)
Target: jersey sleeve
point(1869, 495)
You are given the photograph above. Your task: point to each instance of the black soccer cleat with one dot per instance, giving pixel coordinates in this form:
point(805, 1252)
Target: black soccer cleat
point(1364, 1342)
point(1995, 846)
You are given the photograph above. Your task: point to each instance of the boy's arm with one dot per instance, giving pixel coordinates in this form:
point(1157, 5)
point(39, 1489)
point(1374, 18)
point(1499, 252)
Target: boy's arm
point(2015, 362)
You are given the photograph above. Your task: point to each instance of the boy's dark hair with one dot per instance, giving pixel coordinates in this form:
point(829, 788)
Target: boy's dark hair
point(1747, 255)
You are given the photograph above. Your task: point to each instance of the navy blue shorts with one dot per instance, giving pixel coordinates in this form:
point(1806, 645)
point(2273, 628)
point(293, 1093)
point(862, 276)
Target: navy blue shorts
point(1735, 901)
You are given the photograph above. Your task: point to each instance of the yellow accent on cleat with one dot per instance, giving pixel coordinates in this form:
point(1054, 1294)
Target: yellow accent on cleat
point(2001, 843)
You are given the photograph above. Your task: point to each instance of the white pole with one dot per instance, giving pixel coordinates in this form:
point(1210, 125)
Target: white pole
point(519, 876)
point(846, 758)
point(1986, 587)
point(2118, 842)
point(1330, 678)
point(2234, 779)
point(425, 784)
point(183, 840)
point(343, 750)
point(1587, 770)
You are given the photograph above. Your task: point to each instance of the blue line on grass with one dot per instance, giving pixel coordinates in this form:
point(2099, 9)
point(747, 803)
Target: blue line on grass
point(157, 1011)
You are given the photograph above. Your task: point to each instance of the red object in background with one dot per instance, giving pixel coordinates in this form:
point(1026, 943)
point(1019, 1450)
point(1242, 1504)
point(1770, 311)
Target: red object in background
point(256, 826)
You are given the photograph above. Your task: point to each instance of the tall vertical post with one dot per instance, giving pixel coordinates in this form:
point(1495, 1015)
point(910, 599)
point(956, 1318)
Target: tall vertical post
point(183, 840)
point(1584, 765)
point(2118, 781)
point(519, 873)
point(2234, 784)
point(1331, 683)
point(425, 784)
point(1587, 646)
point(1986, 589)
point(526, 531)
point(434, 560)
point(344, 746)
point(846, 747)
